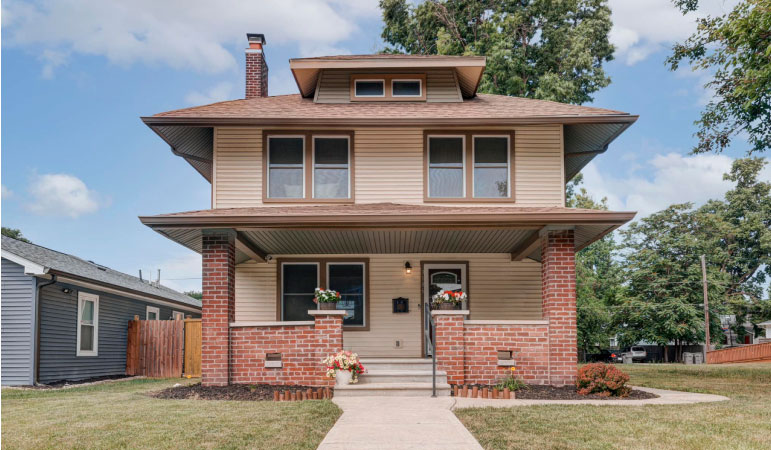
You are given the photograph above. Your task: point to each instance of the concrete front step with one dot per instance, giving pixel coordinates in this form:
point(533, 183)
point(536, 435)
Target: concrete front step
point(396, 363)
point(401, 376)
point(391, 390)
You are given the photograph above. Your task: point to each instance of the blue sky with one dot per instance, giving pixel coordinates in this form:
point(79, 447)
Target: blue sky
point(78, 166)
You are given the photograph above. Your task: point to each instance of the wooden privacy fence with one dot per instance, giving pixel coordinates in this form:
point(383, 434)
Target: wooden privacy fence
point(155, 348)
point(193, 347)
point(748, 353)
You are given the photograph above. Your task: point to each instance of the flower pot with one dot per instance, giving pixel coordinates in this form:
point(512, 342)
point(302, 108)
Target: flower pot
point(343, 377)
point(446, 306)
point(328, 305)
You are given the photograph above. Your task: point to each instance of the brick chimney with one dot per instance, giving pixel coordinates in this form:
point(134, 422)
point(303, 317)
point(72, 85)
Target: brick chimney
point(256, 67)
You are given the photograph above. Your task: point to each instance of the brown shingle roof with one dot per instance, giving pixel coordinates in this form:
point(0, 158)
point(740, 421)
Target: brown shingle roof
point(483, 106)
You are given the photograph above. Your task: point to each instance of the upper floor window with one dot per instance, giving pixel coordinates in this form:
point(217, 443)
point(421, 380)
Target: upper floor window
point(389, 87)
point(469, 166)
point(307, 167)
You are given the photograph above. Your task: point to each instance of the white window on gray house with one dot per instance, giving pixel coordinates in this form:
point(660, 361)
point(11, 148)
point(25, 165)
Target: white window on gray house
point(177, 315)
point(298, 285)
point(369, 88)
point(445, 167)
point(88, 324)
point(491, 167)
point(406, 88)
point(331, 167)
point(152, 313)
point(348, 280)
point(286, 162)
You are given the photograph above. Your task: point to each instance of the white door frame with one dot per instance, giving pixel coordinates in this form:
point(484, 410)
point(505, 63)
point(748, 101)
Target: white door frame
point(426, 300)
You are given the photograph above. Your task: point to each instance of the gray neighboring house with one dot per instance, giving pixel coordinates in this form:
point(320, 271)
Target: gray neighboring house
point(65, 318)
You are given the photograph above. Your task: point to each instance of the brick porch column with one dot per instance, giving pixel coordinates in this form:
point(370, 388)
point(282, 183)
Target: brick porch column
point(449, 344)
point(219, 265)
point(558, 277)
point(328, 327)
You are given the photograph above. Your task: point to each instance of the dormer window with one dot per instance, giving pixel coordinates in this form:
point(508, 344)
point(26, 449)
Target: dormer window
point(388, 87)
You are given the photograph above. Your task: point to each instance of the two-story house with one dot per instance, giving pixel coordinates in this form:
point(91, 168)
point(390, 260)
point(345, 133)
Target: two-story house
point(387, 178)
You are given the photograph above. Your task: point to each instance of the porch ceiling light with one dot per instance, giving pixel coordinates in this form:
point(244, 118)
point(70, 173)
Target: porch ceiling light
point(407, 268)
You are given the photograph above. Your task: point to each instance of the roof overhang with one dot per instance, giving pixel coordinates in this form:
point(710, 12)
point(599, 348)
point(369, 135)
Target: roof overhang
point(468, 68)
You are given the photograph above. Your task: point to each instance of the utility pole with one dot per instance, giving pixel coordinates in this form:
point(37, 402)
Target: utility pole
point(706, 307)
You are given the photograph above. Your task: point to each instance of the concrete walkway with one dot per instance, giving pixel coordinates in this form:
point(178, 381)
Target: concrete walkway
point(665, 398)
point(398, 423)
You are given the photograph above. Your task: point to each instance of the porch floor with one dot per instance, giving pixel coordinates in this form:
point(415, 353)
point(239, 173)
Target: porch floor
point(404, 377)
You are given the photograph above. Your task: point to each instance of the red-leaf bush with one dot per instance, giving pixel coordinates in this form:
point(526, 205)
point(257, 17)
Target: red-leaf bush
point(602, 379)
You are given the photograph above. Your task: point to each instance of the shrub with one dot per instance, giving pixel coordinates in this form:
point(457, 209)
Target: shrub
point(511, 382)
point(602, 379)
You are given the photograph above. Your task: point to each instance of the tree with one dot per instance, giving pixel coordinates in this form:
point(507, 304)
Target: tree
point(15, 233)
point(597, 278)
point(198, 295)
point(535, 48)
point(737, 47)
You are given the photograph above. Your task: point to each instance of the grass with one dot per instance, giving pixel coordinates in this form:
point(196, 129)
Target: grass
point(743, 422)
point(121, 415)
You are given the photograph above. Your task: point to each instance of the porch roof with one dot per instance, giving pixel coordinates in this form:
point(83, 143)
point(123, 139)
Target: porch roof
point(386, 228)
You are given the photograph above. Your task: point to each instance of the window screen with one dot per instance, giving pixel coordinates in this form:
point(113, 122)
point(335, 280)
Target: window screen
point(369, 88)
point(299, 282)
point(285, 165)
point(331, 167)
point(405, 88)
point(445, 167)
point(348, 280)
point(491, 167)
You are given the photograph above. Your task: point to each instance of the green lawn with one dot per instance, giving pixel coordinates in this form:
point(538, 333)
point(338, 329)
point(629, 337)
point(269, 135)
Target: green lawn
point(742, 422)
point(120, 415)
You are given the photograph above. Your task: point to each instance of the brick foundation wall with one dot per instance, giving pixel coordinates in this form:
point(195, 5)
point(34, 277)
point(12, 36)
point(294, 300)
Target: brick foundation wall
point(558, 275)
point(528, 344)
point(449, 346)
point(219, 254)
point(302, 349)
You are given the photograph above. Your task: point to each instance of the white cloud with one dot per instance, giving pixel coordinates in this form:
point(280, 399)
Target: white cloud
point(674, 179)
point(217, 93)
point(61, 194)
point(184, 34)
point(6, 193)
point(641, 28)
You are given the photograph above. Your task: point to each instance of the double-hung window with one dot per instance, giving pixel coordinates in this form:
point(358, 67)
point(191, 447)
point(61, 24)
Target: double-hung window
point(299, 279)
point(286, 167)
point(331, 167)
point(491, 166)
point(446, 158)
point(88, 324)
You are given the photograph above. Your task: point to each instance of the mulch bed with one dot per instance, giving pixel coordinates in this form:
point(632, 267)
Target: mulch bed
point(243, 392)
point(539, 392)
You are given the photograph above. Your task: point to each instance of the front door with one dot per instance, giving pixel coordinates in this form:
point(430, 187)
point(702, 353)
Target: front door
point(439, 277)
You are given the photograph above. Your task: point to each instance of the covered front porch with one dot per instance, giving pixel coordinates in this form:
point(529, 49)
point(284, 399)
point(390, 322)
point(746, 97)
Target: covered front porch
point(262, 264)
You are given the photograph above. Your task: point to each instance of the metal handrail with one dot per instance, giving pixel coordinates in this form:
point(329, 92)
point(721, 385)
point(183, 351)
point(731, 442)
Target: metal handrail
point(430, 341)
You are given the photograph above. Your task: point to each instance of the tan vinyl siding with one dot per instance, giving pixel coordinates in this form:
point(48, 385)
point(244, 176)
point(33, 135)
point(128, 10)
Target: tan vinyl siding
point(498, 288)
point(389, 166)
point(334, 85)
point(237, 167)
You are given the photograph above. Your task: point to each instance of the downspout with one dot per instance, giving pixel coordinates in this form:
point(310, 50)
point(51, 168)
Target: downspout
point(37, 325)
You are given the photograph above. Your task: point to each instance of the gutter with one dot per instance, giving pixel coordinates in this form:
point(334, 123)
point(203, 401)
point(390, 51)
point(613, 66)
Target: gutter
point(40, 287)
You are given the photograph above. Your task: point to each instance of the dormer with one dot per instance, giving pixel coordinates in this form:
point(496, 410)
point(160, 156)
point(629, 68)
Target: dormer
point(388, 78)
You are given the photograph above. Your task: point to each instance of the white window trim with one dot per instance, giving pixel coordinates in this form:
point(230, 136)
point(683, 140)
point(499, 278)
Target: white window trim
point(420, 84)
point(366, 80)
point(283, 277)
point(313, 163)
point(83, 297)
point(267, 181)
point(363, 283)
point(154, 309)
point(174, 315)
point(508, 162)
point(428, 162)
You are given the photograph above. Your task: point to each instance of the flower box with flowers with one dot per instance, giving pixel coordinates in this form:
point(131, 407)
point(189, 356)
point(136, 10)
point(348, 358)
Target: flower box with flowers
point(344, 367)
point(326, 298)
point(448, 299)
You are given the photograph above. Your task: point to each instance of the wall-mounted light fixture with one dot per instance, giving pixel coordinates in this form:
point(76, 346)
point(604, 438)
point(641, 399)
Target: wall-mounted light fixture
point(66, 290)
point(407, 268)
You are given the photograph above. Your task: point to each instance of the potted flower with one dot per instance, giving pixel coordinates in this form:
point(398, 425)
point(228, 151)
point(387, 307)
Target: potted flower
point(344, 367)
point(326, 298)
point(448, 299)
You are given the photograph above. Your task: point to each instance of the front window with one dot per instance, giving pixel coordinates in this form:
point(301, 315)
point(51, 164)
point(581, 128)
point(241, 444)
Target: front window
point(348, 280)
point(370, 88)
point(298, 284)
point(286, 163)
point(491, 166)
point(88, 324)
point(331, 173)
point(445, 167)
point(152, 313)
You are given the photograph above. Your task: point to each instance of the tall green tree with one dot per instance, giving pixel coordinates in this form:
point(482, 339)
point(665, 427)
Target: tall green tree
point(14, 233)
point(545, 49)
point(736, 48)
